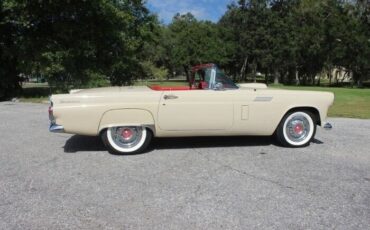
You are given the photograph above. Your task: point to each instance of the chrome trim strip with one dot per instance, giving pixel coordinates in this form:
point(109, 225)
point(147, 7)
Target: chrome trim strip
point(167, 97)
point(263, 99)
point(327, 126)
point(54, 128)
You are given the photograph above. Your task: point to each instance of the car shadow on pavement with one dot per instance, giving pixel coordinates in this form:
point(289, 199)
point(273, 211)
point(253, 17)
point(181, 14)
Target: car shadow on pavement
point(78, 143)
point(210, 142)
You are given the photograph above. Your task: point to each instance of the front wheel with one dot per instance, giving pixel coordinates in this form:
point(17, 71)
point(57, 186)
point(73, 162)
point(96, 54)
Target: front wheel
point(296, 129)
point(126, 139)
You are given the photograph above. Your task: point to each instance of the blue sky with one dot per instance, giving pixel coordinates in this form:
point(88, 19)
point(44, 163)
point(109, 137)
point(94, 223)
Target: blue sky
point(202, 9)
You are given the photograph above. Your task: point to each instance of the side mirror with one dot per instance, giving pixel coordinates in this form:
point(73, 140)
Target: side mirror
point(219, 86)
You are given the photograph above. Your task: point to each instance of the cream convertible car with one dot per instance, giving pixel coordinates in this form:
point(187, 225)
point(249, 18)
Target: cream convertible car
point(127, 118)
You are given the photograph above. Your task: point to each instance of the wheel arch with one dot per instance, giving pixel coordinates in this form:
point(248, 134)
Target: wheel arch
point(150, 128)
point(127, 117)
point(310, 109)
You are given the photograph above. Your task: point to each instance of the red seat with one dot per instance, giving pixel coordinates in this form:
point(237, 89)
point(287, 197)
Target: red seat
point(169, 88)
point(203, 85)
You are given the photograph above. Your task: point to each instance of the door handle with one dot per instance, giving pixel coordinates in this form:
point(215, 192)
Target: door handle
point(167, 97)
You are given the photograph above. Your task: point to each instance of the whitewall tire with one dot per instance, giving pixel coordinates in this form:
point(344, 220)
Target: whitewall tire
point(126, 139)
point(296, 129)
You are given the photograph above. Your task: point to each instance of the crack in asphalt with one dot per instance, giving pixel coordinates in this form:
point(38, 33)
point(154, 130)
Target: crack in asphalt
point(245, 173)
point(257, 177)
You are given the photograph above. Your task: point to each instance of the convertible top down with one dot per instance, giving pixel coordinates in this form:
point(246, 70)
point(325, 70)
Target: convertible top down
point(211, 104)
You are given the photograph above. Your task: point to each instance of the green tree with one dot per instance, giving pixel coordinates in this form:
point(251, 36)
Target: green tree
point(10, 45)
point(74, 43)
point(355, 41)
point(250, 34)
point(157, 52)
point(297, 39)
point(284, 41)
point(195, 42)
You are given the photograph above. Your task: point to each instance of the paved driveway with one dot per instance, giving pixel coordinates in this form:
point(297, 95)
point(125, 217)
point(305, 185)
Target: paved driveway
point(62, 181)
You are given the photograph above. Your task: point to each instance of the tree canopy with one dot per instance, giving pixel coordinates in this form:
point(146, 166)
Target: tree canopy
point(89, 43)
point(290, 37)
point(72, 43)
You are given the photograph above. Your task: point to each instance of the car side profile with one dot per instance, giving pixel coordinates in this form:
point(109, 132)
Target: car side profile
point(127, 118)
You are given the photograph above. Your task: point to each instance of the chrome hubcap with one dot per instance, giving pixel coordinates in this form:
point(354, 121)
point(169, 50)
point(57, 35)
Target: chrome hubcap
point(297, 128)
point(127, 134)
point(126, 137)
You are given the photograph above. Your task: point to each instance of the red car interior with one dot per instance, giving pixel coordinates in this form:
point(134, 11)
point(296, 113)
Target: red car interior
point(201, 85)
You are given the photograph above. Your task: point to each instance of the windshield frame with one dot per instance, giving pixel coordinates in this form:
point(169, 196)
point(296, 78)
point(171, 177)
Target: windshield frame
point(219, 77)
point(212, 76)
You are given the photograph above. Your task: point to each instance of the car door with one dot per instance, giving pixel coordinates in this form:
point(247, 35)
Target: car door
point(196, 110)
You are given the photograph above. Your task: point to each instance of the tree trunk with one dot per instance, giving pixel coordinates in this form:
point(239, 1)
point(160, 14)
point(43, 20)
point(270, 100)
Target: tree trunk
point(254, 71)
point(318, 81)
point(291, 76)
point(297, 81)
point(276, 77)
point(186, 69)
point(171, 74)
point(283, 76)
point(360, 83)
point(344, 77)
point(243, 69)
point(358, 79)
point(304, 79)
point(313, 79)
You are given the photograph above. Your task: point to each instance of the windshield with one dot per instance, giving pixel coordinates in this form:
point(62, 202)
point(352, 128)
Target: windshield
point(224, 80)
point(214, 76)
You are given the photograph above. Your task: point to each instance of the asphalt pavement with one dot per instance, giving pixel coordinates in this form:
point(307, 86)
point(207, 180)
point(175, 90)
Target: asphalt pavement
point(63, 181)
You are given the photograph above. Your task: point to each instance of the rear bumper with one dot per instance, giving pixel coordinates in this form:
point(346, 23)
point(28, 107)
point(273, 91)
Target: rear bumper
point(55, 128)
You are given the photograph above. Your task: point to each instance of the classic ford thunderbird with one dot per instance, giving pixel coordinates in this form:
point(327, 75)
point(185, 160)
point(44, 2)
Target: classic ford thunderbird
point(127, 118)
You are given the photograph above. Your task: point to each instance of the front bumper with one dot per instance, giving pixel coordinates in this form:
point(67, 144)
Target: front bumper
point(54, 128)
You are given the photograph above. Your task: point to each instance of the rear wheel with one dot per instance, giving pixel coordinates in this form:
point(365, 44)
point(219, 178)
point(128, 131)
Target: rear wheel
point(296, 129)
point(126, 139)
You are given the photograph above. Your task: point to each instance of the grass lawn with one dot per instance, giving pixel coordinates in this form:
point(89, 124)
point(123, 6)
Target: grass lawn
point(354, 103)
point(34, 99)
point(35, 93)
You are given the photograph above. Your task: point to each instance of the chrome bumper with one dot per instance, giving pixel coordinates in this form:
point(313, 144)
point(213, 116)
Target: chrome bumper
point(54, 128)
point(327, 126)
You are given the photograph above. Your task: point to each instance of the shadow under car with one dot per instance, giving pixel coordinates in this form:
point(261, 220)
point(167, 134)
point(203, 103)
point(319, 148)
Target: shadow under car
point(78, 143)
